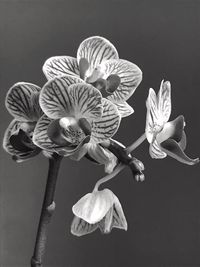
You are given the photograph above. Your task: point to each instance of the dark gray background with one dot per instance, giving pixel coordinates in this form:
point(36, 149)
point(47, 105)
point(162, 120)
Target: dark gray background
point(163, 213)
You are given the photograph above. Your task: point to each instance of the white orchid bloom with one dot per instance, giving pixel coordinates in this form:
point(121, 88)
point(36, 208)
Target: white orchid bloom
point(165, 138)
point(99, 209)
point(98, 63)
point(22, 102)
point(76, 121)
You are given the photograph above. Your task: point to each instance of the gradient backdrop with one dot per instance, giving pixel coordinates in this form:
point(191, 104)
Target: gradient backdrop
point(163, 213)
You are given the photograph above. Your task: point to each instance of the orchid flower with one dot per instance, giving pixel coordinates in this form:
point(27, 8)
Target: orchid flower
point(98, 63)
point(99, 209)
point(22, 102)
point(165, 138)
point(76, 121)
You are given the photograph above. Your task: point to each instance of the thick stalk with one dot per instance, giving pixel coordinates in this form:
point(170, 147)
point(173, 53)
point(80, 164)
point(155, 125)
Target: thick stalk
point(48, 208)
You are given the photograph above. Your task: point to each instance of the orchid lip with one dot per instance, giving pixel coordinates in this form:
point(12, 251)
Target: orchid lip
point(173, 149)
point(22, 142)
point(173, 129)
point(56, 133)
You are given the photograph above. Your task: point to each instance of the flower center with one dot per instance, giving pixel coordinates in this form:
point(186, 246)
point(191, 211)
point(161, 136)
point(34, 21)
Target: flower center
point(88, 73)
point(95, 76)
point(68, 131)
point(108, 86)
point(157, 128)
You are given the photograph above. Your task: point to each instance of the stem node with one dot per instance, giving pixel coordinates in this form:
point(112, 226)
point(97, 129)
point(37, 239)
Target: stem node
point(48, 208)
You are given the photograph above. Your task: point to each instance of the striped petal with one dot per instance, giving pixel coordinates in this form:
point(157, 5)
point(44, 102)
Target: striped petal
point(119, 219)
point(18, 155)
point(173, 149)
point(106, 126)
point(95, 50)
point(22, 101)
point(124, 109)
point(79, 227)
point(61, 65)
point(130, 77)
point(164, 100)
point(152, 116)
point(58, 99)
point(114, 218)
point(40, 136)
point(155, 151)
point(55, 100)
point(86, 101)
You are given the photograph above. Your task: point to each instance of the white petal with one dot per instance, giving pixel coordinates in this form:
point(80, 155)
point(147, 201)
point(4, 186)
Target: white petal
point(152, 116)
point(130, 77)
point(164, 100)
point(105, 225)
point(105, 127)
point(79, 227)
point(61, 65)
point(96, 49)
point(155, 151)
point(67, 96)
point(86, 101)
point(119, 220)
point(94, 206)
point(22, 101)
point(114, 218)
point(124, 109)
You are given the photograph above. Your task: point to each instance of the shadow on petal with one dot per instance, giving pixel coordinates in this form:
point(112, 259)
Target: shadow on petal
point(56, 133)
point(20, 140)
point(172, 130)
point(25, 156)
point(173, 149)
point(183, 141)
point(79, 227)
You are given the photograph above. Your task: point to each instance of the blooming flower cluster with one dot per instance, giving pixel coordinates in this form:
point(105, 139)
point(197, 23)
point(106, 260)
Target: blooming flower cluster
point(77, 112)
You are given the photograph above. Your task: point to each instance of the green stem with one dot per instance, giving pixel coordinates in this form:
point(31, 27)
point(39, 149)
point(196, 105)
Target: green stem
point(117, 170)
point(48, 208)
point(138, 142)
